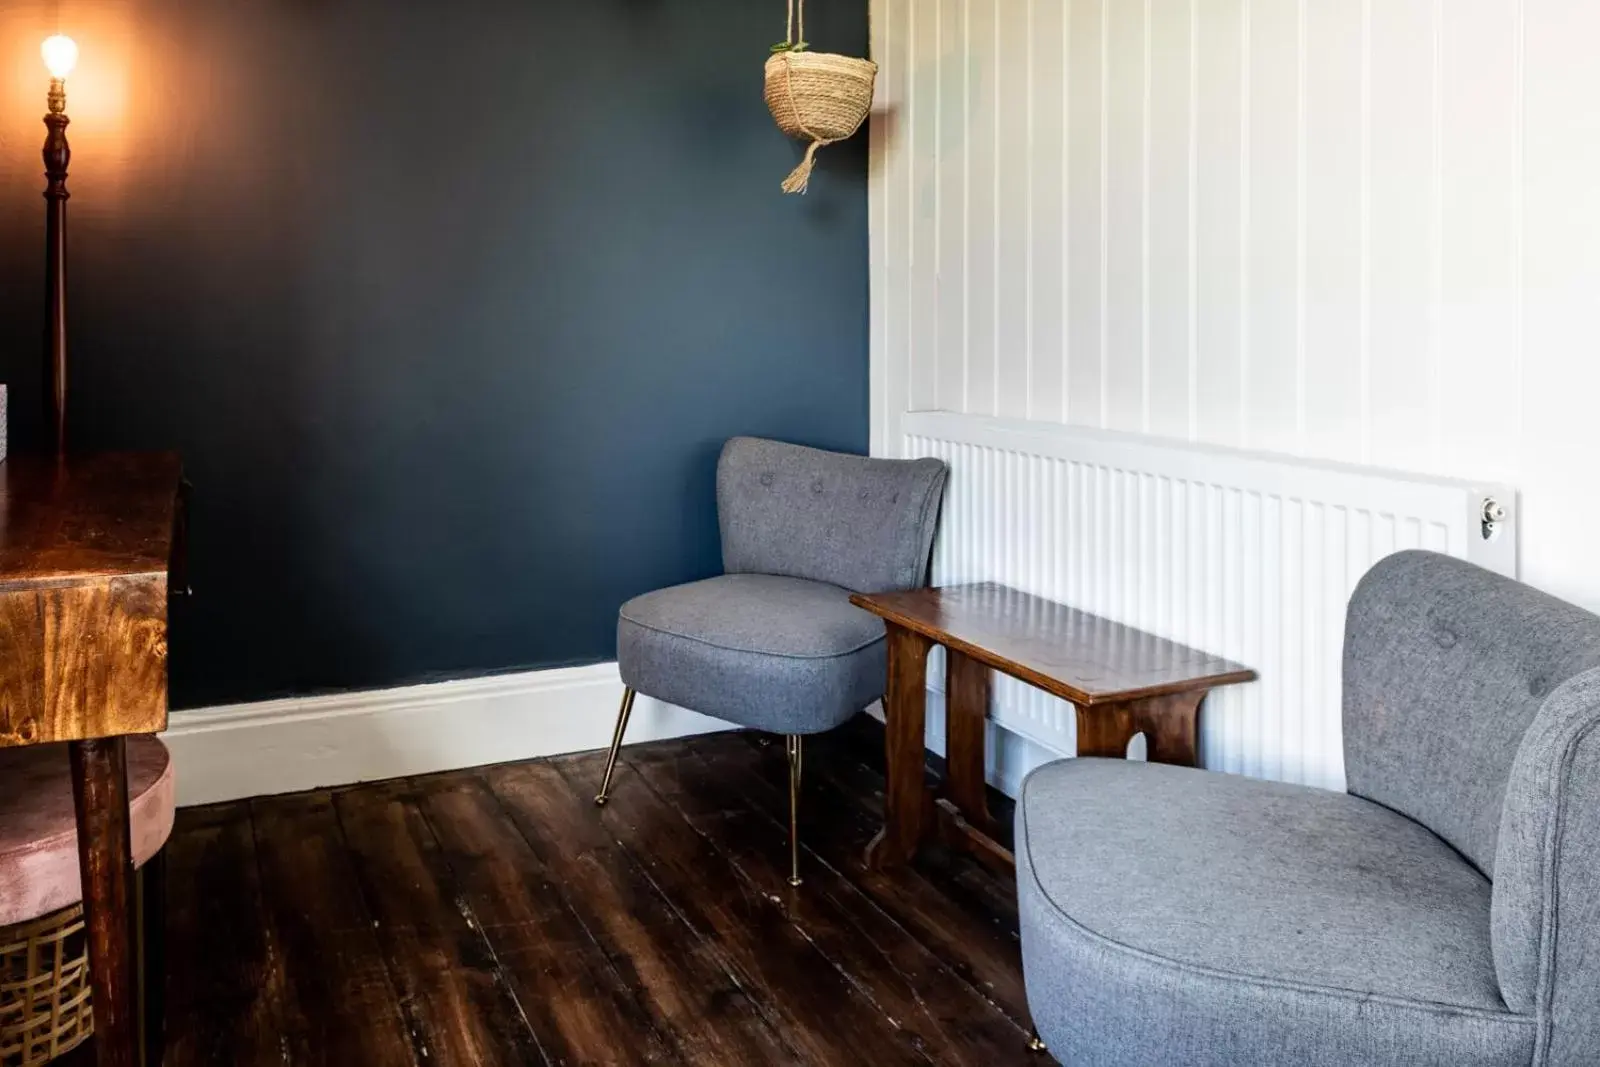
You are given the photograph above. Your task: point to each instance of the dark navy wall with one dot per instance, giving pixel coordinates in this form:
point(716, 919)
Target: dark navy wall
point(448, 306)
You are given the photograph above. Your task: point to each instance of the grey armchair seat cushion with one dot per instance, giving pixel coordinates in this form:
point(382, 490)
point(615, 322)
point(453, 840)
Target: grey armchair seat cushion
point(1172, 916)
point(766, 651)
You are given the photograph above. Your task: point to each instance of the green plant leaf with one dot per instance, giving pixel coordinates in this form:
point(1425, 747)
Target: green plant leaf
point(781, 46)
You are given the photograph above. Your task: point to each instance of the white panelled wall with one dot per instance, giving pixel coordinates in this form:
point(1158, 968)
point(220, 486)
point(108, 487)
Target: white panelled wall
point(1361, 230)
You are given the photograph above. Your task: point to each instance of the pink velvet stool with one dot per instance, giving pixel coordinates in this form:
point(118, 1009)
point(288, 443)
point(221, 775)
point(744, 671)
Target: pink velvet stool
point(39, 877)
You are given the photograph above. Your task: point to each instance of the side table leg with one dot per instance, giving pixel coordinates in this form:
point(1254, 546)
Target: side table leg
point(1171, 727)
point(966, 721)
point(905, 799)
point(105, 860)
point(1105, 730)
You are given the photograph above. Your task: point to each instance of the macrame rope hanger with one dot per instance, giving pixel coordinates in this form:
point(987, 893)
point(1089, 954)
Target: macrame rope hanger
point(820, 97)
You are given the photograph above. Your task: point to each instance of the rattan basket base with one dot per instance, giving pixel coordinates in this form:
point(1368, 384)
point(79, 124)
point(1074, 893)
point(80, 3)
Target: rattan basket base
point(44, 988)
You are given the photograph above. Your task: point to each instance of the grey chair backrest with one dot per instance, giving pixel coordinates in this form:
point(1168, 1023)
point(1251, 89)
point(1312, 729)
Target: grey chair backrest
point(1472, 705)
point(864, 524)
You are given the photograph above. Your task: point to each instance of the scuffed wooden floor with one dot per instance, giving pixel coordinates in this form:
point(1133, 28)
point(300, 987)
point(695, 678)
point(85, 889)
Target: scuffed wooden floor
point(496, 916)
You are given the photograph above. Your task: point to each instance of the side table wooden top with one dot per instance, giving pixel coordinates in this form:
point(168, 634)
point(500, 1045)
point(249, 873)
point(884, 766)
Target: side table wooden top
point(1080, 657)
point(85, 547)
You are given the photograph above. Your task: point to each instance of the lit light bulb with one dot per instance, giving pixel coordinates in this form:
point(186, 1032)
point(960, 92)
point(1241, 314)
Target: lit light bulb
point(60, 55)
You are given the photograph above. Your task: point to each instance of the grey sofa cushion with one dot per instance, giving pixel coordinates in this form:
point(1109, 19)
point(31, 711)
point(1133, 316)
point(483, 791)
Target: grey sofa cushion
point(1445, 667)
point(863, 524)
point(765, 651)
point(1173, 916)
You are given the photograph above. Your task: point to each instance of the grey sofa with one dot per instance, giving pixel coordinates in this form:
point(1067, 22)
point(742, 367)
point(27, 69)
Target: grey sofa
point(774, 643)
point(1445, 911)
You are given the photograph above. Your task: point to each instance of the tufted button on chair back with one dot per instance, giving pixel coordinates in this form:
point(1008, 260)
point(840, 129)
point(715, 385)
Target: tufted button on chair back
point(863, 524)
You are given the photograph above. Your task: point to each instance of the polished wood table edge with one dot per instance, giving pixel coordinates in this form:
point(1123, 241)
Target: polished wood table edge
point(1068, 693)
point(955, 812)
point(67, 581)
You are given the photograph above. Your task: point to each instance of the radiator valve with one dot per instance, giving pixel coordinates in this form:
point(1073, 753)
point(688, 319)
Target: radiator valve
point(1493, 514)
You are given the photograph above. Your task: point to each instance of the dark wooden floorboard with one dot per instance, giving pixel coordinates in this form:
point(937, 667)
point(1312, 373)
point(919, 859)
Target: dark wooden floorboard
point(580, 1008)
point(818, 1010)
point(338, 1003)
point(497, 917)
point(738, 809)
point(961, 911)
point(457, 1002)
point(222, 977)
point(679, 976)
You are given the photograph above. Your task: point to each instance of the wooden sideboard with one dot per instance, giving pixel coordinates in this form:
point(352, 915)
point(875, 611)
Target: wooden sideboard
point(88, 547)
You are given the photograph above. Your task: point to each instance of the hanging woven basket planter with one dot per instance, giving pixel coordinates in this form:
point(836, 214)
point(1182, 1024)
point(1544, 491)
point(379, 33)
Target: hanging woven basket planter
point(815, 96)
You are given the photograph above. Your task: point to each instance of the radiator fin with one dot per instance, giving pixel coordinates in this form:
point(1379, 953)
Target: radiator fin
point(1249, 562)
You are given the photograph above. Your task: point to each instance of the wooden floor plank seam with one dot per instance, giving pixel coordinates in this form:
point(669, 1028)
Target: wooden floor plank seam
point(847, 876)
point(822, 891)
point(464, 907)
point(495, 917)
point(621, 795)
point(734, 972)
point(862, 988)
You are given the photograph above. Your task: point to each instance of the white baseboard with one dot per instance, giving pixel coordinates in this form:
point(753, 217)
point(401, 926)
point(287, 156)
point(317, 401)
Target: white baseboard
point(283, 746)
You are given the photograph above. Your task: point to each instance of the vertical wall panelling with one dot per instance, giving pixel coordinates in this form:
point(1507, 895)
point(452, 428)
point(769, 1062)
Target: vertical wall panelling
point(953, 161)
point(983, 205)
point(1402, 293)
point(1335, 245)
point(1353, 230)
point(1047, 201)
point(1220, 262)
point(1125, 217)
point(881, 141)
point(1168, 144)
point(1270, 378)
point(924, 99)
point(1478, 115)
point(891, 171)
point(1085, 216)
point(1358, 230)
point(1014, 241)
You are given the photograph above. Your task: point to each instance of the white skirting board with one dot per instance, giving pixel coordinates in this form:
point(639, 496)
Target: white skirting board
point(283, 746)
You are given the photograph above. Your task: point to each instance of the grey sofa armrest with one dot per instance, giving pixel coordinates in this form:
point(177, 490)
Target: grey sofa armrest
point(1545, 916)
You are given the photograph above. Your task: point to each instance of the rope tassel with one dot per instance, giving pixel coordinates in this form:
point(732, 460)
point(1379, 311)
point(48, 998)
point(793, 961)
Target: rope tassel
point(800, 177)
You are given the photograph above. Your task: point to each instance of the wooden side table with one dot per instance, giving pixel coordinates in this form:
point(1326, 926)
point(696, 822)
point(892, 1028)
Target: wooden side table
point(1122, 681)
point(86, 548)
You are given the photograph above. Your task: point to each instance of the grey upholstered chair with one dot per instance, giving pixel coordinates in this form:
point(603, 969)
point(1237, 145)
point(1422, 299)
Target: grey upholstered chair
point(1445, 911)
point(774, 643)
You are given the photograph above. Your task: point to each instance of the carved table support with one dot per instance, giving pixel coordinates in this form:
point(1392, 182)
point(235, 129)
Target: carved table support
point(905, 797)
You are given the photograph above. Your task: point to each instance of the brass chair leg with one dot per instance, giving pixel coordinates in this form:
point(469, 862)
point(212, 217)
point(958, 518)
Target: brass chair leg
point(1036, 1045)
point(616, 745)
point(792, 746)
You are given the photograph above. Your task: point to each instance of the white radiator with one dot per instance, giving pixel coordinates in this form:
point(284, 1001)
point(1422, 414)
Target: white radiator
point(1249, 556)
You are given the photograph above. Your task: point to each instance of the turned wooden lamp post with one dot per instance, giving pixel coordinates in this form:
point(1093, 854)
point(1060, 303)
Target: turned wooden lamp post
point(61, 56)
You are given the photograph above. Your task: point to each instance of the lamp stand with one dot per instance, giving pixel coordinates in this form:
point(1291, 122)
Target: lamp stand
point(57, 155)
